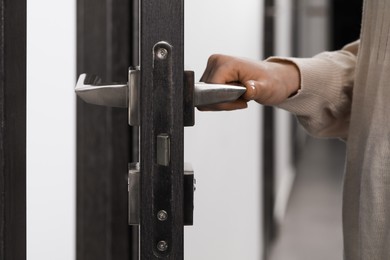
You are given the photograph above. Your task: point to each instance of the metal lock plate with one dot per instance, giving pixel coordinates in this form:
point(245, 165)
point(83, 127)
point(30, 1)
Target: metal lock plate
point(161, 214)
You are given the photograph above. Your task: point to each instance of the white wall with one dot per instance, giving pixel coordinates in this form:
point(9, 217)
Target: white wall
point(224, 147)
point(51, 130)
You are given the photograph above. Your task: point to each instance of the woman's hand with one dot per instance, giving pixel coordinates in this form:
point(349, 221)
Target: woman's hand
point(268, 83)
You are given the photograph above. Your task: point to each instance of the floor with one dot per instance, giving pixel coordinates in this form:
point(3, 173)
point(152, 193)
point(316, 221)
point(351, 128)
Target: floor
point(312, 226)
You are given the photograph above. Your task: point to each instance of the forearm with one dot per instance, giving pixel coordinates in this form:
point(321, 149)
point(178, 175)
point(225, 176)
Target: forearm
point(323, 101)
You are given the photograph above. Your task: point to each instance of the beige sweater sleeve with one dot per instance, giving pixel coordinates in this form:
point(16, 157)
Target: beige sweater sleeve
point(323, 102)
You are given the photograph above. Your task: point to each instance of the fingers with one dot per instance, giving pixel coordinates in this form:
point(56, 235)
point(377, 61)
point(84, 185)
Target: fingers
point(210, 66)
point(258, 78)
point(268, 83)
point(220, 69)
point(206, 72)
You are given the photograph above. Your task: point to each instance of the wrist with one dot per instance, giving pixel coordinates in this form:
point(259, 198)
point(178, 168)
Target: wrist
point(287, 74)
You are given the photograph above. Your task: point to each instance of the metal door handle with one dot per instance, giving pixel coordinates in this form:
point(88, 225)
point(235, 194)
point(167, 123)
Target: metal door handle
point(209, 94)
point(90, 89)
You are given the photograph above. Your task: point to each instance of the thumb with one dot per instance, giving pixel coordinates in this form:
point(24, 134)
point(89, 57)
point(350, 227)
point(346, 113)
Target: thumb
point(251, 92)
point(260, 91)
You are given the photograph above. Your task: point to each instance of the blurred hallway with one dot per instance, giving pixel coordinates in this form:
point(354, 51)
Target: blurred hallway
point(312, 226)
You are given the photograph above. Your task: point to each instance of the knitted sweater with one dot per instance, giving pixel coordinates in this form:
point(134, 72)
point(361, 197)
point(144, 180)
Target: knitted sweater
point(346, 94)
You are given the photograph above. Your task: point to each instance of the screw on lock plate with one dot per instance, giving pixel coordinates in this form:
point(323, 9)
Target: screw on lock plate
point(90, 89)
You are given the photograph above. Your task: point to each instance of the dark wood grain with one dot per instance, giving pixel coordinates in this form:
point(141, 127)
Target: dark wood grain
point(13, 129)
point(104, 140)
point(162, 112)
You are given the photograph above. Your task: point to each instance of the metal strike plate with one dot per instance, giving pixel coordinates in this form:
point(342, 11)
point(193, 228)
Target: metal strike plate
point(134, 194)
point(134, 96)
point(163, 149)
point(162, 214)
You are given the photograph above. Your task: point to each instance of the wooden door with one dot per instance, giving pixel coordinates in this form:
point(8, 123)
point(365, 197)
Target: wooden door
point(107, 46)
point(13, 129)
point(105, 142)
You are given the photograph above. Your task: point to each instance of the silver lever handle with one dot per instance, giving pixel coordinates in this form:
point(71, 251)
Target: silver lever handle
point(90, 89)
point(209, 94)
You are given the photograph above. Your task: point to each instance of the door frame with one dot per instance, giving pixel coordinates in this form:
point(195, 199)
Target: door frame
point(268, 181)
point(13, 129)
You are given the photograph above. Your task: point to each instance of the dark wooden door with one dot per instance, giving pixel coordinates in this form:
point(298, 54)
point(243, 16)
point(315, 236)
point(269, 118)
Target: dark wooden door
point(107, 46)
point(105, 142)
point(13, 129)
